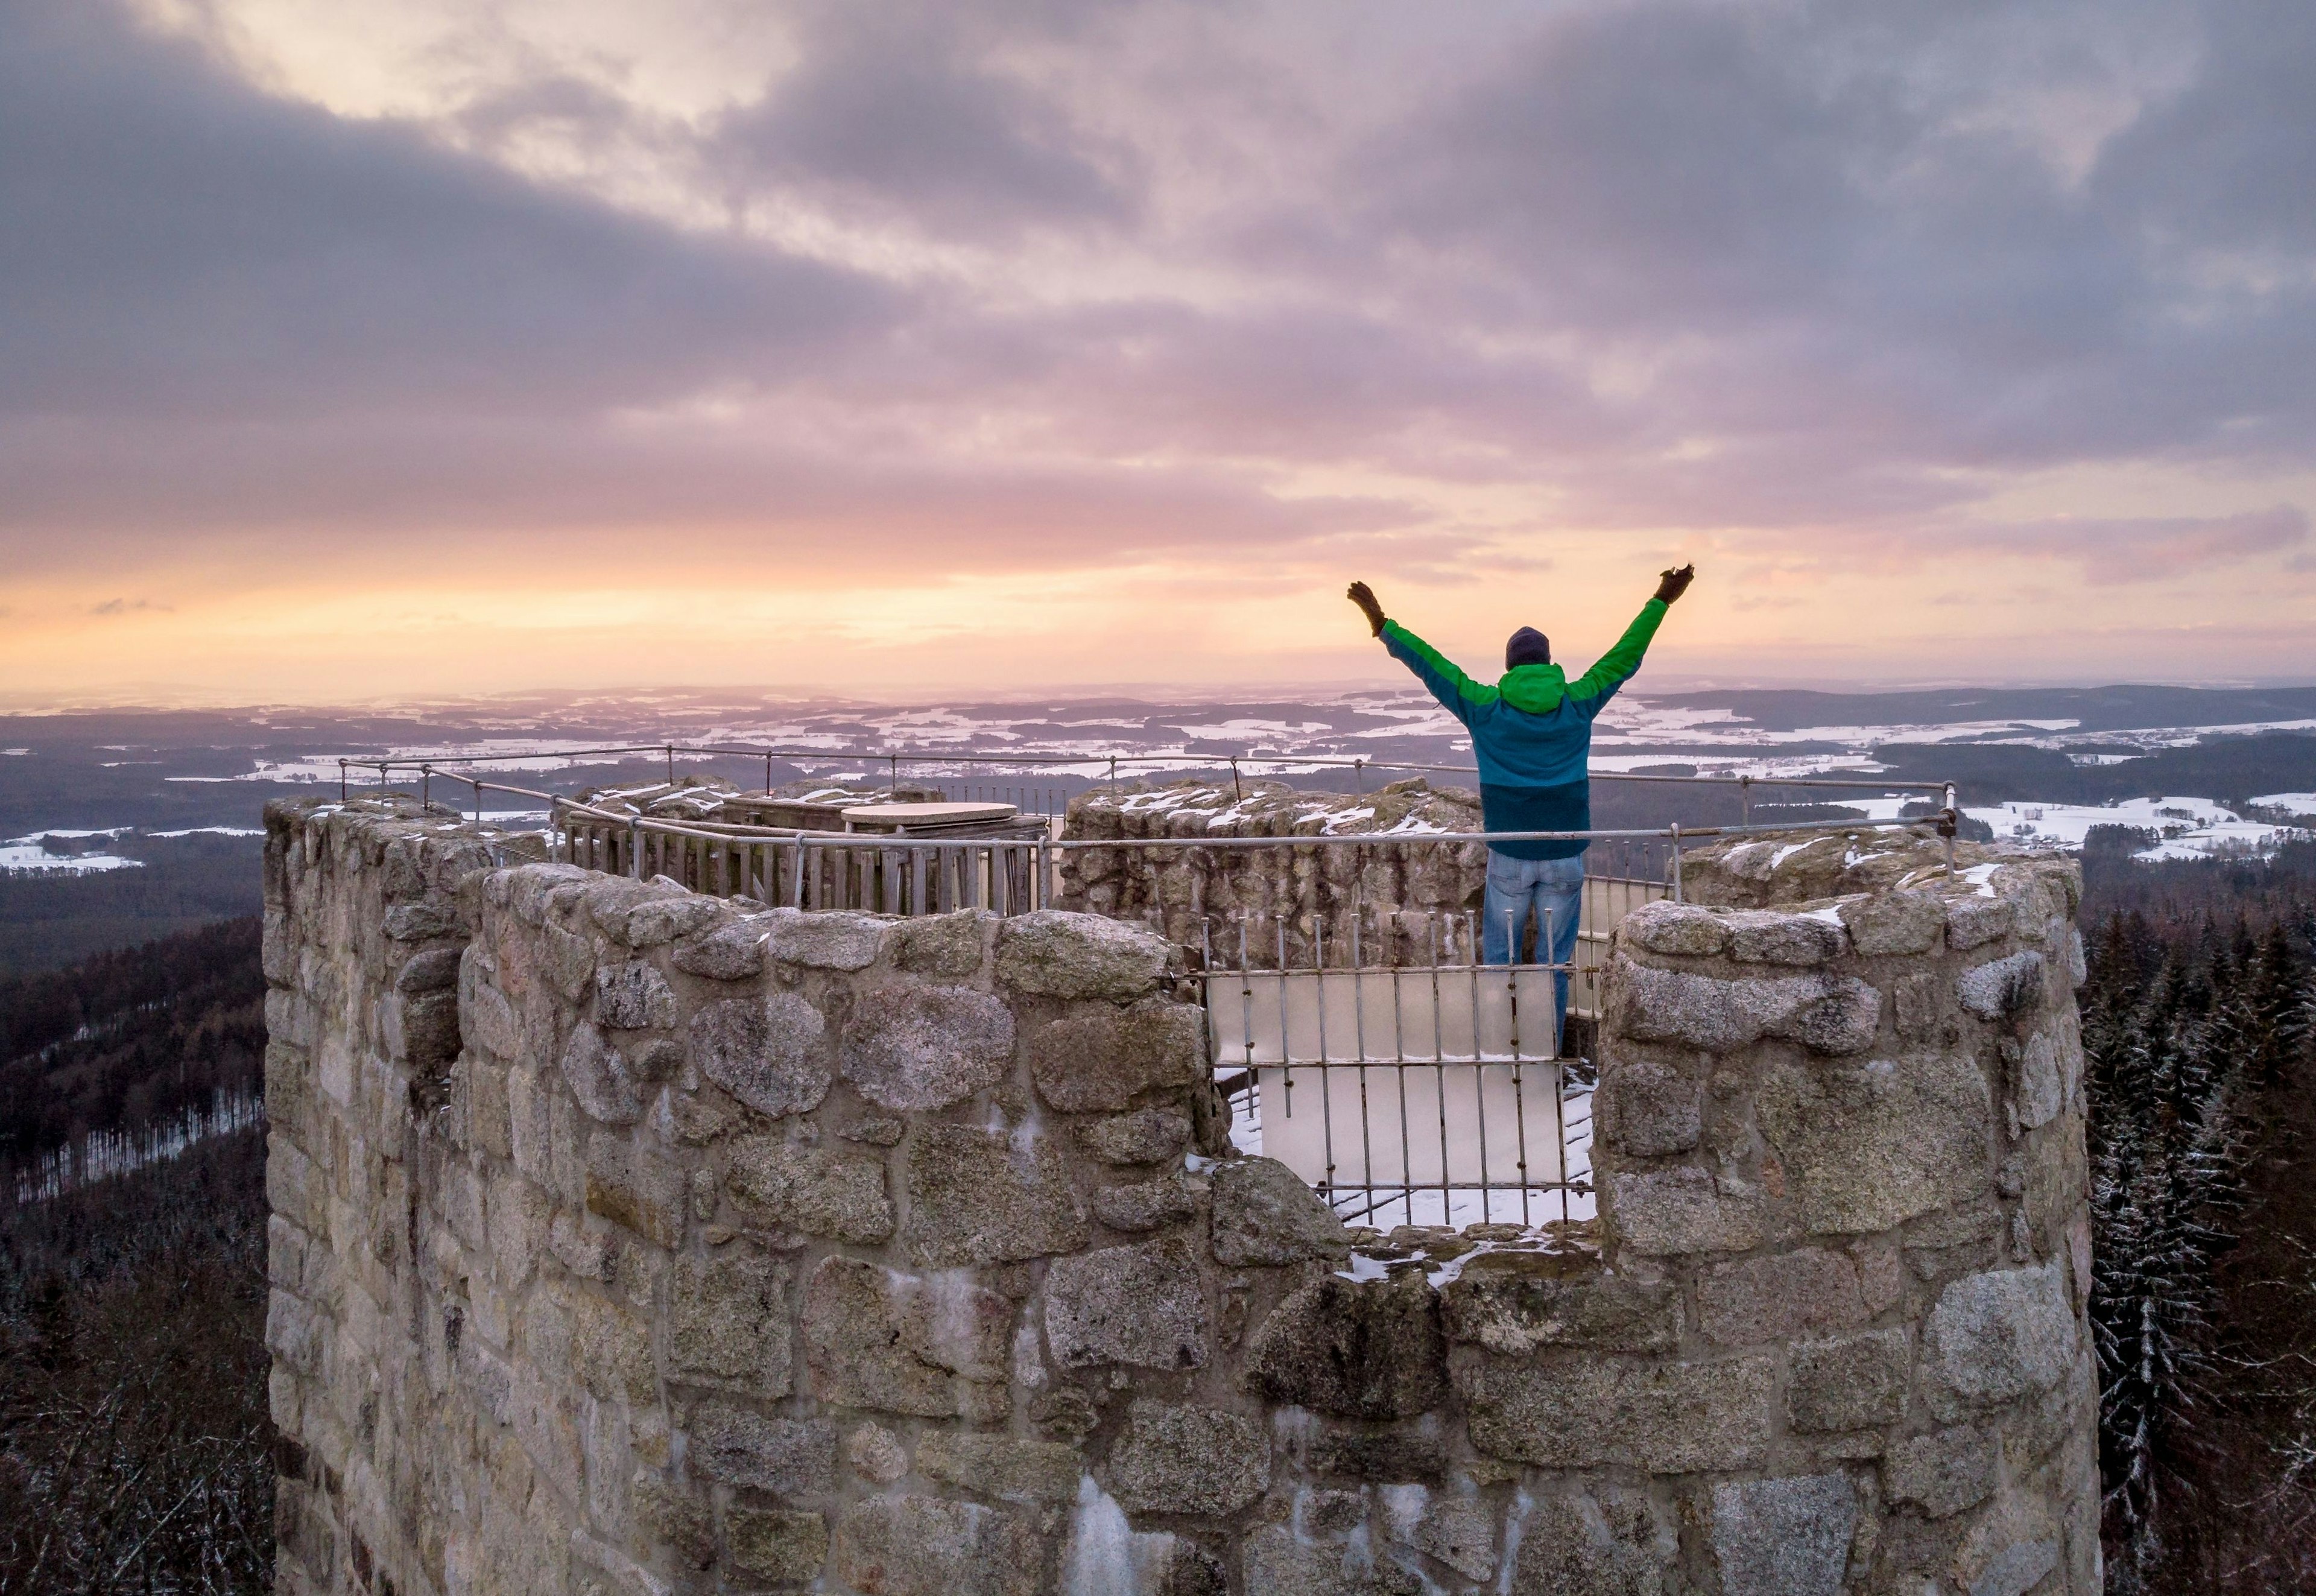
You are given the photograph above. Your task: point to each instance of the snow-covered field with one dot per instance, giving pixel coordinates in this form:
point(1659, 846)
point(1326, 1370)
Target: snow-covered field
point(2189, 827)
point(25, 856)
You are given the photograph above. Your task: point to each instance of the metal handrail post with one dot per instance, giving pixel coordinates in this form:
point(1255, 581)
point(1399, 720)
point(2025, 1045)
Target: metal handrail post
point(634, 848)
point(1676, 862)
point(425, 789)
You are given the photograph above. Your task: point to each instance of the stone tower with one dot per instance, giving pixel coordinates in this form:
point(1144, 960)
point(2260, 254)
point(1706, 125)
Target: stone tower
point(627, 1241)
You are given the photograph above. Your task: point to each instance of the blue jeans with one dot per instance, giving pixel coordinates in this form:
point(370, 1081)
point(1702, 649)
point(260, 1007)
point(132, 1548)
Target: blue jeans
point(1552, 891)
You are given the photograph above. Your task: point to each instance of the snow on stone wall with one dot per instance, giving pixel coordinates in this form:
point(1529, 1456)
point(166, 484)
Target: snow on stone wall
point(624, 1241)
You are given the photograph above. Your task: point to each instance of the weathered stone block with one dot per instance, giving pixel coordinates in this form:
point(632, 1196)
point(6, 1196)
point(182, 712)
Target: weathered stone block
point(610, 899)
point(1665, 1418)
point(639, 1187)
point(1869, 1147)
point(1890, 923)
point(1941, 1473)
point(892, 1342)
point(784, 1549)
point(1280, 1562)
point(2042, 1089)
point(667, 1514)
point(1914, 1007)
point(1975, 922)
point(1141, 1304)
point(1261, 1213)
point(420, 922)
point(733, 952)
point(1785, 1536)
point(1648, 1110)
point(1766, 936)
point(913, 1049)
point(610, 1349)
point(1383, 1457)
point(921, 1546)
point(1834, 1015)
point(432, 969)
point(1995, 1337)
point(729, 1320)
point(1450, 1527)
point(987, 1197)
point(1145, 1205)
point(1359, 1349)
point(1051, 953)
point(1514, 1302)
point(633, 996)
point(1145, 1135)
point(2017, 1569)
point(1681, 930)
point(1604, 1541)
point(944, 945)
point(1188, 1460)
point(822, 939)
point(1007, 1467)
point(877, 1454)
point(1683, 1211)
point(1103, 1061)
point(661, 920)
point(569, 960)
point(829, 1191)
point(786, 1456)
point(600, 1078)
point(1805, 1292)
point(1854, 1383)
point(770, 1053)
point(2003, 988)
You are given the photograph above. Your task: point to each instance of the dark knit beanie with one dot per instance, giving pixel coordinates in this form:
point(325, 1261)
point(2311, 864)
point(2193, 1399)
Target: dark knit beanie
point(1528, 646)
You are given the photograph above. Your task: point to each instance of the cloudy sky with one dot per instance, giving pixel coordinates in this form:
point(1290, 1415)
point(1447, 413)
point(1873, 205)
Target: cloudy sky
point(424, 345)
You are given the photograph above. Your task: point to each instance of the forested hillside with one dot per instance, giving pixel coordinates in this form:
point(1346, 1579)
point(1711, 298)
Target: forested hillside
point(2197, 1024)
point(133, 1427)
point(127, 1038)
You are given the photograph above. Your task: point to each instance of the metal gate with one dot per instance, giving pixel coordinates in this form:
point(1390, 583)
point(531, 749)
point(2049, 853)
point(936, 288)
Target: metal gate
point(1427, 1094)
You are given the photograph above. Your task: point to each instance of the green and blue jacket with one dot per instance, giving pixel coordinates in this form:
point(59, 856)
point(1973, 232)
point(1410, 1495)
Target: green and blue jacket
point(1532, 731)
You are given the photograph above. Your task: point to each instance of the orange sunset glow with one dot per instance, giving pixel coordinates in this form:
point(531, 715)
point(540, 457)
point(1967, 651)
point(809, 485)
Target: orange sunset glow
point(422, 348)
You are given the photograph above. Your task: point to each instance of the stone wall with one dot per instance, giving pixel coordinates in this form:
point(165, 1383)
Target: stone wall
point(1397, 892)
point(627, 1241)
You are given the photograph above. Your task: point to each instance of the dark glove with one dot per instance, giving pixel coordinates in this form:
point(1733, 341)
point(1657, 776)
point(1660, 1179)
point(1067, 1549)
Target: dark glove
point(1676, 582)
point(1363, 597)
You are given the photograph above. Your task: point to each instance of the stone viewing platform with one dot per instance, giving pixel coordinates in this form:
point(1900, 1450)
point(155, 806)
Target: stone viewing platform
point(632, 1241)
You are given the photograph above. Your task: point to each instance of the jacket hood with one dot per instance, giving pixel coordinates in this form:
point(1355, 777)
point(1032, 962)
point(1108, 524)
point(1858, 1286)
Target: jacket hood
point(1536, 688)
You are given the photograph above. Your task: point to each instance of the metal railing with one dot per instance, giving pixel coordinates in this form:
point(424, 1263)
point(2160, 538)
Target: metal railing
point(729, 861)
point(1111, 767)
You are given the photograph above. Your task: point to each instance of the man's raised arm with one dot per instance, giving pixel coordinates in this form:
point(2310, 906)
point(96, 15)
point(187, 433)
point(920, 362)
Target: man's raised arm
point(1455, 692)
point(1610, 672)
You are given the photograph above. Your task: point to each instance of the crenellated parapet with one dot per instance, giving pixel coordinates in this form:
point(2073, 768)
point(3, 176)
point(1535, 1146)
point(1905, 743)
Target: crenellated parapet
point(627, 1240)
